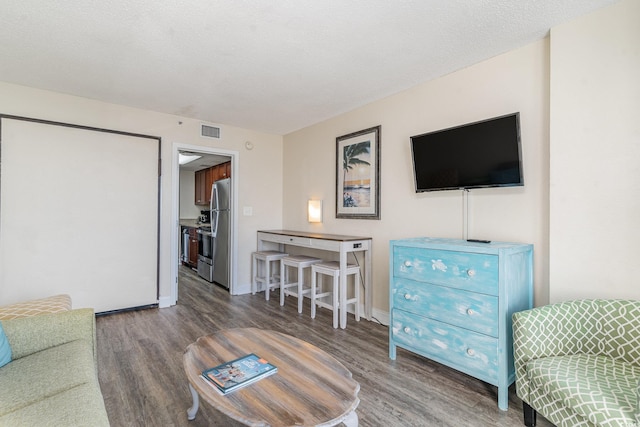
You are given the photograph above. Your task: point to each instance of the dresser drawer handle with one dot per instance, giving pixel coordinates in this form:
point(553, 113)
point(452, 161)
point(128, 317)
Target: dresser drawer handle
point(470, 312)
point(471, 272)
point(471, 351)
point(407, 296)
point(407, 329)
point(407, 263)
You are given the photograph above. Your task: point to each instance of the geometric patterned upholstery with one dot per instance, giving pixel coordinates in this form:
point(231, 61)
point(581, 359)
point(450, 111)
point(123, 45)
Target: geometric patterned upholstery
point(52, 304)
point(638, 404)
point(597, 387)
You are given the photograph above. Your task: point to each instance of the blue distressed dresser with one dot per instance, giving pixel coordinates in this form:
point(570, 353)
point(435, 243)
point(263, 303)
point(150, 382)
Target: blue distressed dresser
point(452, 300)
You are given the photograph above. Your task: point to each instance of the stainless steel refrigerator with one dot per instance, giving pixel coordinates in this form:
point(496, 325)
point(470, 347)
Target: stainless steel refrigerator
point(220, 213)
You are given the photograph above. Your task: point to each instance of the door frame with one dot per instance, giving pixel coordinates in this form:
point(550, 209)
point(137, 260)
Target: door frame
point(175, 215)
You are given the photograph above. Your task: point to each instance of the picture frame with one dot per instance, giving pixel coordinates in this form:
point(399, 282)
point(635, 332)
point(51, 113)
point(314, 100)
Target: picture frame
point(358, 174)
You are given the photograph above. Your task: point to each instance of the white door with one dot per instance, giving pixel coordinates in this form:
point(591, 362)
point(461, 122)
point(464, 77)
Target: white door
point(78, 215)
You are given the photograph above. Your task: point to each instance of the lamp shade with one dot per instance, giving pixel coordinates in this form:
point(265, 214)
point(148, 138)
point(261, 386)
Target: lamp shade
point(314, 210)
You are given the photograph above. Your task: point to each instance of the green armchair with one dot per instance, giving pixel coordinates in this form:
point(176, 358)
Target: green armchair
point(578, 363)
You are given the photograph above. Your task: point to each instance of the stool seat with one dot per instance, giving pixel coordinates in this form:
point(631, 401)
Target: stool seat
point(270, 279)
point(339, 299)
point(299, 262)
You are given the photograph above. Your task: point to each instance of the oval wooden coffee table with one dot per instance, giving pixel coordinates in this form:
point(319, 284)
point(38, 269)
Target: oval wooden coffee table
point(311, 388)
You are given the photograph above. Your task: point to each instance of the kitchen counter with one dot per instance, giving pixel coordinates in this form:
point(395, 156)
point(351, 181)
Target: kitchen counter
point(191, 222)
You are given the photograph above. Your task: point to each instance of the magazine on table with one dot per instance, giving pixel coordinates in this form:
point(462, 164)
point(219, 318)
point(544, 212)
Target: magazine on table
point(238, 373)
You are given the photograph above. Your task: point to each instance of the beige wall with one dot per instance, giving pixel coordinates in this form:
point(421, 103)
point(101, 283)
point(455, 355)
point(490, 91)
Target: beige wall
point(591, 72)
point(515, 81)
point(259, 171)
point(595, 155)
point(188, 208)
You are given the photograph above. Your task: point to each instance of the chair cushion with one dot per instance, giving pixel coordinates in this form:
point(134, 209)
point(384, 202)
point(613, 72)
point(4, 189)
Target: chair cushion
point(638, 403)
point(5, 348)
point(597, 387)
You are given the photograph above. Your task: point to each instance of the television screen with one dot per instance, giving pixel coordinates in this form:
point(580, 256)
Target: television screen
point(475, 155)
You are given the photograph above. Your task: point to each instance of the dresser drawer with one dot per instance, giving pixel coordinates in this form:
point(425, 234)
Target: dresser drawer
point(472, 353)
point(470, 310)
point(474, 272)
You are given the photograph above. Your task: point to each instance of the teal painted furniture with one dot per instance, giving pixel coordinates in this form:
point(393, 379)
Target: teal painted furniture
point(578, 363)
point(452, 301)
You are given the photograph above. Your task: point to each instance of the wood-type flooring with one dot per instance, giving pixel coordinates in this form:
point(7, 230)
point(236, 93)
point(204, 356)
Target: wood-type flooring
point(143, 381)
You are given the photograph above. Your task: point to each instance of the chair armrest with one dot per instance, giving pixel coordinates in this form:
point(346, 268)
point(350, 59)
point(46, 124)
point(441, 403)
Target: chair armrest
point(552, 330)
point(29, 335)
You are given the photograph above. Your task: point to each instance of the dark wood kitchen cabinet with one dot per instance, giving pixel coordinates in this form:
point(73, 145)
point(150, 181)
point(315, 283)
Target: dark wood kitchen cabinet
point(193, 247)
point(201, 185)
point(225, 170)
point(205, 178)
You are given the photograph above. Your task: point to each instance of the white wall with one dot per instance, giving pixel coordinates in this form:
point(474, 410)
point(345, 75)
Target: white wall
point(188, 208)
point(259, 172)
point(595, 155)
point(515, 81)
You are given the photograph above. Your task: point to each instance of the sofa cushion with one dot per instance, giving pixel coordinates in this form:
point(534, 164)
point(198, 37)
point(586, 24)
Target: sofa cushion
point(5, 348)
point(78, 406)
point(45, 374)
point(597, 387)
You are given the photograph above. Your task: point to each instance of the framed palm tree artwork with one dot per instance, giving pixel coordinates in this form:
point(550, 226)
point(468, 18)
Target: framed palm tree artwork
point(358, 174)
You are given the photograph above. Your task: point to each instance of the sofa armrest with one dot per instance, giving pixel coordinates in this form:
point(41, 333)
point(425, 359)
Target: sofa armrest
point(29, 335)
point(53, 304)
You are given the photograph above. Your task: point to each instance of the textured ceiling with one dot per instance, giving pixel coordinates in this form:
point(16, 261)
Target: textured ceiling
point(267, 65)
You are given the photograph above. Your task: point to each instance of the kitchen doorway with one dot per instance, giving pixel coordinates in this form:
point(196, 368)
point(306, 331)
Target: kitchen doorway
point(189, 210)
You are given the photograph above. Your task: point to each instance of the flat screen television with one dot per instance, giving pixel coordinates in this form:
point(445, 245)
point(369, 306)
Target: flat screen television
point(482, 154)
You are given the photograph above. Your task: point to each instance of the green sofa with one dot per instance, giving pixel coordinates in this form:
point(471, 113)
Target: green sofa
point(578, 363)
point(52, 379)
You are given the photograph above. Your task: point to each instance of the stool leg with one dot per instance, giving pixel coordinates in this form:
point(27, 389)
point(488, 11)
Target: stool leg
point(335, 297)
point(357, 296)
point(313, 294)
point(267, 276)
point(283, 280)
point(343, 301)
point(300, 277)
point(254, 284)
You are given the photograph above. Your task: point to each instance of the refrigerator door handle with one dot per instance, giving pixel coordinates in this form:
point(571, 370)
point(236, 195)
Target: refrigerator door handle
point(214, 223)
point(213, 204)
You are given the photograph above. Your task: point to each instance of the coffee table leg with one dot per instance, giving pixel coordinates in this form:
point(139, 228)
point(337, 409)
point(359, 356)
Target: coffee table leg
point(191, 412)
point(351, 420)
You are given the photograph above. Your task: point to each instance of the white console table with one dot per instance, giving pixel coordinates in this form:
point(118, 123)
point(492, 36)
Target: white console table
point(327, 242)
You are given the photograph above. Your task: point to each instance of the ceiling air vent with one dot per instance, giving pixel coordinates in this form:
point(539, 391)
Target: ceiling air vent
point(210, 131)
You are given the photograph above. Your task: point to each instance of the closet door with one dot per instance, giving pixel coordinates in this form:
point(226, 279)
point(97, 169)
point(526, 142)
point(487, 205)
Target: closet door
point(78, 215)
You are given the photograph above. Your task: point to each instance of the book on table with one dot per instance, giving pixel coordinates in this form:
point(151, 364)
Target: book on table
point(238, 373)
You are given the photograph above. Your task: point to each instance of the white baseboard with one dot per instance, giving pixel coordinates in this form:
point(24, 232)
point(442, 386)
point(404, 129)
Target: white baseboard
point(378, 316)
point(164, 302)
point(242, 289)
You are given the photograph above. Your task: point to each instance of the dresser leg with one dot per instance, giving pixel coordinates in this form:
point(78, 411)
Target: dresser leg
point(503, 398)
point(191, 412)
point(351, 420)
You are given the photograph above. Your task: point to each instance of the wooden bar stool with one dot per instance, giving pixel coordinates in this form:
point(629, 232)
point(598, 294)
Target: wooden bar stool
point(270, 279)
point(299, 262)
point(339, 300)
